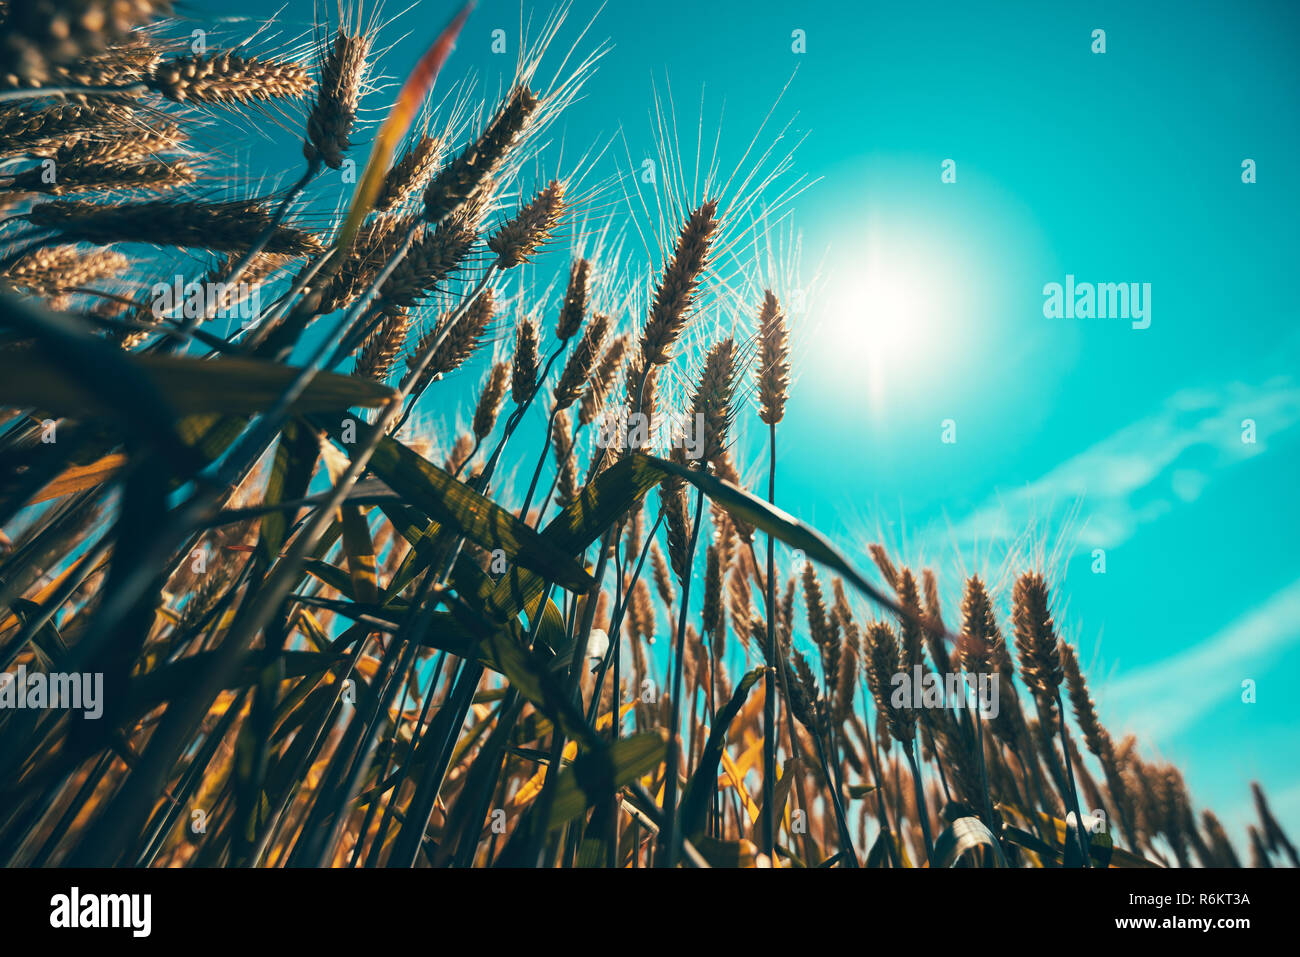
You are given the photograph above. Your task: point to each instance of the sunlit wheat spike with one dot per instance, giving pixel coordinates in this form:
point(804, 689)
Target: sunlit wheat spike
point(1085, 712)
point(83, 164)
point(574, 310)
point(88, 177)
point(565, 467)
point(461, 342)
point(643, 610)
point(262, 266)
point(602, 379)
point(57, 125)
point(460, 453)
point(673, 501)
point(409, 175)
point(1037, 645)
point(739, 601)
point(640, 620)
point(961, 761)
point(332, 116)
point(805, 697)
point(128, 62)
point(222, 227)
point(433, 256)
point(663, 581)
point(773, 360)
point(52, 270)
point(463, 176)
point(699, 656)
point(1175, 810)
point(847, 678)
point(934, 627)
point(711, 612)
point(831, 652)
point(840, 609)
point(1118, 780)
point(489, 401)
point(228, 78)
point(566, 489)
point(678, 284)
point(523, 372)
point(1097, 739)
point(711, 401)
point(519, 239)
point(635, 526)
point(120, 146)
point(385, 344)
point(912, 632)
point(376, 242)
point(819, 625)
point(814, 604)
point(1130, 766)
point(724, 535)
point(887, 569)
point(577, 370)
point(206, 595)
point(980, 630)
point(37, 35)
point(882, 664)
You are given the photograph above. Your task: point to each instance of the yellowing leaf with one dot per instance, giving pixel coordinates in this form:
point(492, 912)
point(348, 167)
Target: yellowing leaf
point(81, 477)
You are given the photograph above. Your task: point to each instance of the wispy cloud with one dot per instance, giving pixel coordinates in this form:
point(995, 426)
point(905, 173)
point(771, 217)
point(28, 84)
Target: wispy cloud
point(1146, 469)
point(1161, 699)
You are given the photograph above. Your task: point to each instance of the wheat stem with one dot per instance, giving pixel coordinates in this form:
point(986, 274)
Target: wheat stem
point(769, 683)
point(670, 835)
point(125, 89)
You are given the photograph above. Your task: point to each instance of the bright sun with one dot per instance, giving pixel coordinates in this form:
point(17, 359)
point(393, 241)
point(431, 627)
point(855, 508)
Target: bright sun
point(888, 315)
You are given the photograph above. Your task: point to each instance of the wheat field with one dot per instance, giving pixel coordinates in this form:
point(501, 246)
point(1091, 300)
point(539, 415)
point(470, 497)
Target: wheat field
point(334, 606)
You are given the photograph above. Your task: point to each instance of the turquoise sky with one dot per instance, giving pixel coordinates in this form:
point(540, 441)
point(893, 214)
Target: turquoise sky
point(1071, 434)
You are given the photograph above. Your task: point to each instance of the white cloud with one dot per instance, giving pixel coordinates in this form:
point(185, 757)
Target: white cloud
point(1163, 698)
point(1145, 469)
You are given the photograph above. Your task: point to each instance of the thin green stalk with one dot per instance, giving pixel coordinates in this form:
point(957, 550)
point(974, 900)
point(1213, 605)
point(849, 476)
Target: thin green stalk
point(671, 849)
point(922, 811)
point(537, 471)
point(241, 266)
point(372, 858)
point(882, 816)
point(769, 674)
point(1069, 773)
point(837, 803)
point(547, 798)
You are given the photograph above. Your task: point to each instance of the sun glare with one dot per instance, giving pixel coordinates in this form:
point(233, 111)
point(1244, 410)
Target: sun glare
point(891, 314)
